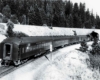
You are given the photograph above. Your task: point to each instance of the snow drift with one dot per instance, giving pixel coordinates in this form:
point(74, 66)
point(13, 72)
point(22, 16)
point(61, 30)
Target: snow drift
point(72, 66)
point(33, 30)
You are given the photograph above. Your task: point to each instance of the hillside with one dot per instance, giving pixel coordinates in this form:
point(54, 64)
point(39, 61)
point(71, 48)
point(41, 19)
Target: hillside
point(32, 30)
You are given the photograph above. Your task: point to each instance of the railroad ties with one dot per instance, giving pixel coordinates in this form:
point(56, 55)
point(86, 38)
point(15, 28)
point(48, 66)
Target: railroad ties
point(5, 70)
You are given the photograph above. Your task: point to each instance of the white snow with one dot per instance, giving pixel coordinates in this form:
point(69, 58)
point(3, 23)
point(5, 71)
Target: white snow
point(70, 66)
point(2, 37)
point(33, 30)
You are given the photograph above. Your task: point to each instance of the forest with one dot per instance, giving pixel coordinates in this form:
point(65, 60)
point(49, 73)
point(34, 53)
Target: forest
point(56, 13)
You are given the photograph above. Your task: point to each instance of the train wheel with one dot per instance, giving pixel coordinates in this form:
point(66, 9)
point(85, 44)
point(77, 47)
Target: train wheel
point(62, 46)
point(17, 63)
point(8, 63)
point(2, 62)
point(25, 60)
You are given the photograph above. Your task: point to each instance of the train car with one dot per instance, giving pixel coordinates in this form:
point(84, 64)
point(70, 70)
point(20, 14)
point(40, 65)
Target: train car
point(17, 49)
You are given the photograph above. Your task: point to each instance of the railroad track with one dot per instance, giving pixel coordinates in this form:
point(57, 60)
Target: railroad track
point(4, 70)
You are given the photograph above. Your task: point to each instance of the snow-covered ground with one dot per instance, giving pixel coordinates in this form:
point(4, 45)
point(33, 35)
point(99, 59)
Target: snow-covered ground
point(33, 30)
point(63, 64)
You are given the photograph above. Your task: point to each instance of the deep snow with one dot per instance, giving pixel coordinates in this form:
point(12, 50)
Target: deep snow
point(33, 30)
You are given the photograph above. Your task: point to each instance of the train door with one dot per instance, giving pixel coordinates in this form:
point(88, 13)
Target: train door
point(7, 51)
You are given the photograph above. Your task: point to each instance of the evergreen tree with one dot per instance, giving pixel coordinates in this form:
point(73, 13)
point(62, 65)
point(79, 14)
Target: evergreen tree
point(97, 22)
point(82, 13)
point(6, 11)
point(43, 16)
point(14, 19)
point(88, 21)
point(37, 17)
point(1, 5)
point(92, 20)
point(23, 19)
point(62, 20)
point(34, 16)
point(53, 13)
point(76, 9)
point(77, 22)
point(70, 18)
point(68, 8)
point(55, 20)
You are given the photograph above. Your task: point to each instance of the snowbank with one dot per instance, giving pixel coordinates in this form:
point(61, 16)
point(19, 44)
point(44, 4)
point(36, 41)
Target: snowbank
point(3, 28)
point(72, 66)
point(33, 30)
point(2, 37)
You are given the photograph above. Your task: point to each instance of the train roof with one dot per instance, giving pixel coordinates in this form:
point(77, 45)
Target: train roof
point(33, 39)
point(24, 40)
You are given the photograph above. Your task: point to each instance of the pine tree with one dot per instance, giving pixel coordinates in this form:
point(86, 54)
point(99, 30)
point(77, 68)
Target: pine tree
point(76, 9)
point(14, 19)
point(97, 22)
point(92, 20)
point(88, 21)
point(6, 11)
point(70, 18)
point(82, 13)
point(55, 20)
point(68, 8)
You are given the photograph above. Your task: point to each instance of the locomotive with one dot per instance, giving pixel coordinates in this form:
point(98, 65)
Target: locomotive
point(17, 49)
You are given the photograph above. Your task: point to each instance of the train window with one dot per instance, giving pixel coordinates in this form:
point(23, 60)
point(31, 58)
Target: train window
point(39, 45)
point(34, 47)
point(43, 44)
point(20, 50)
point(30, 48)
point(23, 51)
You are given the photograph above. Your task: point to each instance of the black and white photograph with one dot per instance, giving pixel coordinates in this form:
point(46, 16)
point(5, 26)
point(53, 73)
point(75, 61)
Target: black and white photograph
point(49, 40)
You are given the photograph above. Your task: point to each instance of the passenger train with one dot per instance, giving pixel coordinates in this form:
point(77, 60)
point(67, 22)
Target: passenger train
point(17, 49)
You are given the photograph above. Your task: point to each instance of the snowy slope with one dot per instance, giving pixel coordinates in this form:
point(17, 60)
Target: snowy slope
point(44, 30)
point(73, 65)
point(2, 37)
point(33, 30)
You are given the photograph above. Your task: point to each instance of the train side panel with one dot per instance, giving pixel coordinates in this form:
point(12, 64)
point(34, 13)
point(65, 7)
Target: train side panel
point(29, 50)
point(15, 53)
point(1, 50)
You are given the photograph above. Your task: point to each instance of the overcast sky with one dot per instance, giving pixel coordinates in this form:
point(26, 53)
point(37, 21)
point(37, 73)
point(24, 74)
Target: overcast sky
point(91, 4)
